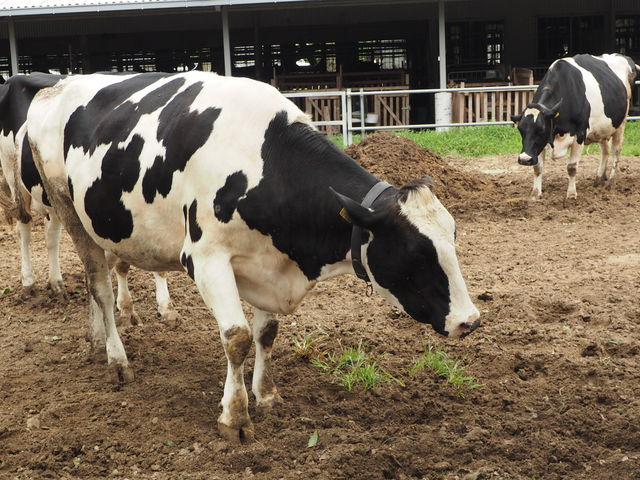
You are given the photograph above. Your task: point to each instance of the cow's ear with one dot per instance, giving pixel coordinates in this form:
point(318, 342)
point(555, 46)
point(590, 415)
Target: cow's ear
point(428, 181)
point(355, 213)
point(516, 119)
point(554, 111)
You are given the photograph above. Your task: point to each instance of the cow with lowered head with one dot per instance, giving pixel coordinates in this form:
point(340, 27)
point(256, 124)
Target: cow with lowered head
point(226, 179)
point(580, 100)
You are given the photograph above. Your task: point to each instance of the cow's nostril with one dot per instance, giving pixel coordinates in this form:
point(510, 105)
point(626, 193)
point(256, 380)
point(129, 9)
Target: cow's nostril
point(468, 327)
point(528, 162)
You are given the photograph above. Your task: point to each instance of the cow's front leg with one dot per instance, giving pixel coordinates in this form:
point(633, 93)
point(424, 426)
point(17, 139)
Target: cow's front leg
point(53, 227)
point(572, 169)
point(265, 329)
point(601, 175)
point(215, 280)
point(536, 191)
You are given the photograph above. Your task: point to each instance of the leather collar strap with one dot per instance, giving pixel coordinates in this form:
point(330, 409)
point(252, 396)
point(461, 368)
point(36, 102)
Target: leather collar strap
point(356, 232)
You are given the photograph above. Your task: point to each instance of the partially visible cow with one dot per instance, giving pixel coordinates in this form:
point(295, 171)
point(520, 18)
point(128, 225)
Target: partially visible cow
point(226, 179)
point(580, 100)
point(17, 164)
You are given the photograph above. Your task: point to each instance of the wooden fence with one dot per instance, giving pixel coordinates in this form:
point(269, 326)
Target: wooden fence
point(474, 107)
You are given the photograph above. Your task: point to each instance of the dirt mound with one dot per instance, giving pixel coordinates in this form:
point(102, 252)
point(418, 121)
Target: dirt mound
point(399, 160)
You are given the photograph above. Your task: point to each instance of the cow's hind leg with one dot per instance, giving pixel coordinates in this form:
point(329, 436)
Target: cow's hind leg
point(215, 280)
point(98, 280)
point(23, 230)
point(53, 227)
point(167, 313)
point(127, 315)
point(265, 329)
point(616, 146)
point(601, 175)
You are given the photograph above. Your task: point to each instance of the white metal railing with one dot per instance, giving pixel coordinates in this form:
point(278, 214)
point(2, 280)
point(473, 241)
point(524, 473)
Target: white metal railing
point(346, 123)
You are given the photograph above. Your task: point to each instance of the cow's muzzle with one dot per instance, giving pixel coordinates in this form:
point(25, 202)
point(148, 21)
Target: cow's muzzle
point(528, 161)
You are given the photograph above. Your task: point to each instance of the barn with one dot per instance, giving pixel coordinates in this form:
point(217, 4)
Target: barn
point(318, 44)
point(546, 386)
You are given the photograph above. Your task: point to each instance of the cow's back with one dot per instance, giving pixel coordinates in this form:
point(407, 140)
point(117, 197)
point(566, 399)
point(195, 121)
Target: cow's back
point(137, 150)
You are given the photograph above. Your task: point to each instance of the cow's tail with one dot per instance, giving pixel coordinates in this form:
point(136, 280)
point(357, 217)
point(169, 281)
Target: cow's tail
point(18, 209)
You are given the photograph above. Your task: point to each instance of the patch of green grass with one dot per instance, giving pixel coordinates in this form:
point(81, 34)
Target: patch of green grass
point(492, 140)
point(353, 367)
point(451, 370)
point(306, 346)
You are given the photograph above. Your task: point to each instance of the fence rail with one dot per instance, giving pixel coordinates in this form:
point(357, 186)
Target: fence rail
point(334, 110)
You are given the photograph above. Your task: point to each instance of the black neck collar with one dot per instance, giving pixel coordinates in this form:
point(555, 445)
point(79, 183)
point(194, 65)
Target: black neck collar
point(356, 232)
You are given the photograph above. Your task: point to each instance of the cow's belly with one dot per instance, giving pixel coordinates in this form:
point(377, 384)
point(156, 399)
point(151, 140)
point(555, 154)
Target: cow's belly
point(270, 281)
point(600, 129)
point(154, 244)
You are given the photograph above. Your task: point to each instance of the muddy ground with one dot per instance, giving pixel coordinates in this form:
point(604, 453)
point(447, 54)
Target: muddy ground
point(558, 356)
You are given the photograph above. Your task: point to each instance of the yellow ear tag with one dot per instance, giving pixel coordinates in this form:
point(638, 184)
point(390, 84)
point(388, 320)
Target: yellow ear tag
point(344, 214)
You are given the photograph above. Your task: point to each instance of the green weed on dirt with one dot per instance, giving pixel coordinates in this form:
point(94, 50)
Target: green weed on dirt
point(451, 370)
point(352, 367)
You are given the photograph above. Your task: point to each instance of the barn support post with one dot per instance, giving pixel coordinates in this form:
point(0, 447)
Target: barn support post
point(226, 43)
point(13, 47)
point(443, 99)
point(345, 122)
point(349, 117)
point(257, 47)
point(363, 132)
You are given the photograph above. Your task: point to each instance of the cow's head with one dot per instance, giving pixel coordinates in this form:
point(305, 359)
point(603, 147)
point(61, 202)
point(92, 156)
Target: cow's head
point(536, 127)
point(411, 257)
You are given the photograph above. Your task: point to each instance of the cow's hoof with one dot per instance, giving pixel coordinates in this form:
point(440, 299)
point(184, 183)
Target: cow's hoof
point(127, 318)
point(239, 435)
point(599, 181)
point(611, 184)
point(170, 318)
point(57, 287)
point(28, 291)
point(267, 404)
point(97, 354)
point(122, 373)
point(570, 199)
point(535, 196)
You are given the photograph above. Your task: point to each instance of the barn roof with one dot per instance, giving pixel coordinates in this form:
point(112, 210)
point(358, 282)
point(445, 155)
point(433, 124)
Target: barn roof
point(47, 7)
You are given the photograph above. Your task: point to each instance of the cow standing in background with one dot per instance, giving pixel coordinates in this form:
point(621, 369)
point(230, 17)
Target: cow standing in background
point(226, 179)
point(23, 179)
point(580, 100)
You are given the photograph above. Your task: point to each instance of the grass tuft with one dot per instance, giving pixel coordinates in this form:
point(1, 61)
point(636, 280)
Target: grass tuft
point(444, 366)
point(306, 346)
point(353, 367)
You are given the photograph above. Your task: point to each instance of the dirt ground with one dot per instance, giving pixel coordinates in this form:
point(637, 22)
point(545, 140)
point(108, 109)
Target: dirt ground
point(558, 355)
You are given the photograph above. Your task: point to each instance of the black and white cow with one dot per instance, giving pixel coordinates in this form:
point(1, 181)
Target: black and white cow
point(226, 179)
point(17, 163)
point(580, 100)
